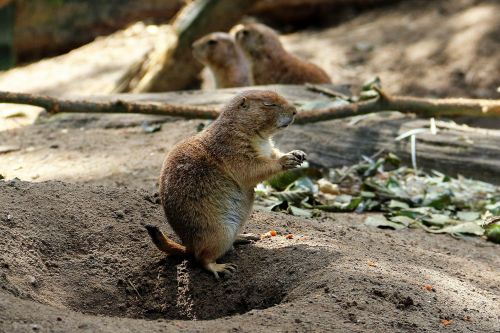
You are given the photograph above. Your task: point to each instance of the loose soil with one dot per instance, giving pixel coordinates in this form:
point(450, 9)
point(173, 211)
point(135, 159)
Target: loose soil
point(76, 258)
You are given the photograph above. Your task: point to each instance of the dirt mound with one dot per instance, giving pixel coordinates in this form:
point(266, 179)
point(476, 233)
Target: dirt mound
point(77, 258)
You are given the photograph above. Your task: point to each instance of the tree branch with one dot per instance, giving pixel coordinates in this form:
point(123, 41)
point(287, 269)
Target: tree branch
point(420, 106)
point(426, 107)
point(54, 105)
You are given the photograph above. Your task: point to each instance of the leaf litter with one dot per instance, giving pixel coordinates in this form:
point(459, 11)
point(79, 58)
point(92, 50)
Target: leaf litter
point(408, 198)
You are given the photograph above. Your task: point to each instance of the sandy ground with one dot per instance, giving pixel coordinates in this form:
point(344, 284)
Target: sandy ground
point(74, 256)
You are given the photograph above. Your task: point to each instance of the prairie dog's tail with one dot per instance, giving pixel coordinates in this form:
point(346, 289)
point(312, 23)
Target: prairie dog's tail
point(163, 243)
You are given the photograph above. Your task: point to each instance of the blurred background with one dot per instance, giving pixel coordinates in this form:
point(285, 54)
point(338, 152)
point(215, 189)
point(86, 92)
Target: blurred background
point(432, 48)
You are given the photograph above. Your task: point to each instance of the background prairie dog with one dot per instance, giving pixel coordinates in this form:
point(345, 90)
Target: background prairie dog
point(224, 58)
point(270, 62)
point(207, 181)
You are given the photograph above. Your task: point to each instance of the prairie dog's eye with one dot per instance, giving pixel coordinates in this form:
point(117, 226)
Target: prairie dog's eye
point(270, 104)
point(212, 42)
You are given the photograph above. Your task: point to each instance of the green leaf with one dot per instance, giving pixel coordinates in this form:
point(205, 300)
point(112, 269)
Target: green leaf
point(393, 159)
point(394, 204)
point(469, 228)
point(367, 194)
point(494, 208)
point(492, 233)
point(403, 220)
point(354, 203)
point(303, 183)
point(372, 169)
point(292, 197)
point(373, 82)
point(468, 216)
point(416, 212)
point(437, 219)
point(296, 211)
point(346, 204)
point(438, 201)
point(380, 221)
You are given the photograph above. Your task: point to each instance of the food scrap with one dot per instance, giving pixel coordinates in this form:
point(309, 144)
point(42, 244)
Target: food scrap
point(289, 236)
point(446, 322)
point(429, 287)
point(270, 233)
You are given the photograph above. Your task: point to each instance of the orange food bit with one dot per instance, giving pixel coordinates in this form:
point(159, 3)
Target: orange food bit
point(273, 233)
point(289, 236)
point(428, 287)
point(446, 322)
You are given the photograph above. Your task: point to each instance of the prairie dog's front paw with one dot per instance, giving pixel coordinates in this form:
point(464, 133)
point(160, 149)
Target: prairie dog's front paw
point(299, 154)
point(292, 159)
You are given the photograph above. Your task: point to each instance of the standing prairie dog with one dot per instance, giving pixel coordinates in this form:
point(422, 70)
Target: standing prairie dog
point(207, 181)
point(224, 58)
point(270, 62)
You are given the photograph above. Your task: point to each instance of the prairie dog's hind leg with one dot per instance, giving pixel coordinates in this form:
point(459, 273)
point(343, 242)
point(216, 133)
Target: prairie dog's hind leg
point(208, 252)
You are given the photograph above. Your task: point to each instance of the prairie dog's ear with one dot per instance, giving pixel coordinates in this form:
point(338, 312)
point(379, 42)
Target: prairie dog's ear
point(244, 103)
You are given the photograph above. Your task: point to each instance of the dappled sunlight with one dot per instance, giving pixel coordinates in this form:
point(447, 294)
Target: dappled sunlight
point(470, 27)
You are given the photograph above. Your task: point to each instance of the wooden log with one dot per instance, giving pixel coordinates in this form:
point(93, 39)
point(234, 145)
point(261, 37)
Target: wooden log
point(455, 149)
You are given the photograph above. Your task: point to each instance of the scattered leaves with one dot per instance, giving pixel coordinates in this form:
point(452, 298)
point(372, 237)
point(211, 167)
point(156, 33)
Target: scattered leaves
point(407, 197)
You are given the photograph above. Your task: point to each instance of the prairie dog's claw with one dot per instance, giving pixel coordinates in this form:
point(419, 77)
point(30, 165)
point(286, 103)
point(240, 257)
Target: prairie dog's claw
point(299, 154)
point(226, 269)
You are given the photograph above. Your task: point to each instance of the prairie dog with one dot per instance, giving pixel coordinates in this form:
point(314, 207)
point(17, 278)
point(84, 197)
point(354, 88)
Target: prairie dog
point(224, 58)
point(207, 181)
point(270, 62)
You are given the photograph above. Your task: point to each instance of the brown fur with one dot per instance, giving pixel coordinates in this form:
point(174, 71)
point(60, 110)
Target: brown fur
point(207, 181)
point(224, 58)
point(270, 62)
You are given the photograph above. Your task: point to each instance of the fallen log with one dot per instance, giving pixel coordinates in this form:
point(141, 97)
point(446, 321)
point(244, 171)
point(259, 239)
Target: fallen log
point(455, 149)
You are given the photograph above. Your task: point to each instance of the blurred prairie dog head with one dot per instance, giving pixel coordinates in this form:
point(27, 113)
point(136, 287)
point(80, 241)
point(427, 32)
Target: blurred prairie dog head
point(256, 39)
point(215, 49)
point(260, 112)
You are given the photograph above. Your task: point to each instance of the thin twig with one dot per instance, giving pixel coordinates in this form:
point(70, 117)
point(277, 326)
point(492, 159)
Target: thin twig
point(132, 285)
